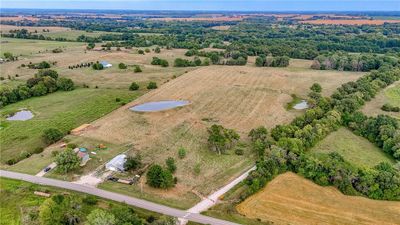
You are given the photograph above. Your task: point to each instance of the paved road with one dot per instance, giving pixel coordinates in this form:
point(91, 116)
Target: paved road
point(42, 173)
point(117, 197)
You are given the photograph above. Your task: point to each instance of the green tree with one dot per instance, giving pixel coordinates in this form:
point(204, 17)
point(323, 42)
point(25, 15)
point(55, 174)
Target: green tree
point(47, 73)
point(9, 56)
point(39, 89)
point(134, 86)
point(97, 66)
point(152, 85)
point(137, 69)
point(125, 215)
point(65, 84)
point(67, 160)
point(157, 50)
point(260, 133)
point(133, 162)
point(100, 217)
point(50, 84)
point(122, 66)
point(50, 213)
point(52, 135)
point(316, 88)
point(159, 178)
point(166, 220)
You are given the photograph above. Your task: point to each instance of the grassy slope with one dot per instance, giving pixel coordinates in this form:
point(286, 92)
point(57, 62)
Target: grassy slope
point(28, 47)
point(62, 110)
point(17, 198)
point(353, 148)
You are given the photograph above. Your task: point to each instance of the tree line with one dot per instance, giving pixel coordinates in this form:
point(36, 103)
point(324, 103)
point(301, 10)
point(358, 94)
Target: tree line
point(44, 82)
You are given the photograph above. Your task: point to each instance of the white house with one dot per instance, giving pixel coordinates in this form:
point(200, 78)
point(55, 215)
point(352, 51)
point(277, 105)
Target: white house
point(117, 163)
point(106, 64)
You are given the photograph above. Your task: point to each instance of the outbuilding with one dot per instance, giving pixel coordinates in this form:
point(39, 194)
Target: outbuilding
point(117, 163)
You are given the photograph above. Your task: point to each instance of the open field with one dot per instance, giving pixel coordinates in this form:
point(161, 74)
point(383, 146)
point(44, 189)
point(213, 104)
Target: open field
point(24, 47)
point(62, 110)
point(353, 148)
point(390, 95)
point(291, 199)
point(109, 78)
point(18, 202)
point(349, 22)
point(236, 97)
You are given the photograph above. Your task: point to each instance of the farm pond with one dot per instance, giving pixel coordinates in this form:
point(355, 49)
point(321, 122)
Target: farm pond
point(158, 106)
point(301, 105)
point(21, 116)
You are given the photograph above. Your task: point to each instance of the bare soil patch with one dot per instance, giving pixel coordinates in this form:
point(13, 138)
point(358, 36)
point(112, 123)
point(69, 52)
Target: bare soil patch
point(291, 199)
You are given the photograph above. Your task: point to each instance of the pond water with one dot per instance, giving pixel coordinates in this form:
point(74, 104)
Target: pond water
point(21, 115)
point(158, 106)
point(301, 105)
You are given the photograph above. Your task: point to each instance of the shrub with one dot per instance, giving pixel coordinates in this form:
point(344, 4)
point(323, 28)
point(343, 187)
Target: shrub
point(140, 51)
point(197, 169)
point(38, 150)
point(122, 66)
point(97, 66)
point(152, 85)
point(171, 164)
point(72, 145)
point(65, 84)
point(52, 135)
point(90, 200)
point(157, 50)
point(133, 162)
point(49, 73)
point(134, 86)
point(182, 153)
point(316, 88)
point(137, 69)
point(117, 99)
point(239, 151)
point(390, 108)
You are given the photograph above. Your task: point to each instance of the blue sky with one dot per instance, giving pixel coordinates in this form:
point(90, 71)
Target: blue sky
point(229, 5)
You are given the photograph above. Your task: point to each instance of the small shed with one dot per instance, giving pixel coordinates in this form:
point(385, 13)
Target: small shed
point(106, 64)
point(117, 163)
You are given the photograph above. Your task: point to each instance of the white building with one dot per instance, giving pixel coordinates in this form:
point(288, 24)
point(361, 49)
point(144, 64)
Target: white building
point(117, 163)
point(106, 64)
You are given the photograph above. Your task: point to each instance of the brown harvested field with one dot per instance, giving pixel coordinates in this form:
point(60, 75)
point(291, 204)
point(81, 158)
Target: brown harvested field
point(390, 95)
point(217, 18)
point(349, 22)
point(238, 97)
point(291, 199)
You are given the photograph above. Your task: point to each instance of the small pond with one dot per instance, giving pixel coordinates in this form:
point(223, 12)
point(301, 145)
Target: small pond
point(158, 106)
point(301, 105)
point(21, 115)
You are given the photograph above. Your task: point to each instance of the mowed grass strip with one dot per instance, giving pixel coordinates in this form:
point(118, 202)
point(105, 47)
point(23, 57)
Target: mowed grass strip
point(292, 199)
point(391, 95)
point(61, 110)
point(353, 148)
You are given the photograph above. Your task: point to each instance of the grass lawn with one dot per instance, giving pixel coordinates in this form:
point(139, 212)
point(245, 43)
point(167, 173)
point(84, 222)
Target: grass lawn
point(19, 204)
point(353, 148)
point(62, 110)
point(185, 201)
point(393, 95)
point(27, 47)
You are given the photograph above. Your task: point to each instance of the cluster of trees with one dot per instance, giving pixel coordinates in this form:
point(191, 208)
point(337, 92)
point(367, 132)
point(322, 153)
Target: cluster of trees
point(81, 65)
point(381, 182)
point(384, 131)
point(214, 56)
point(390, 108)
point(67, 161)
point(44, 82)
point(63, 209)
point(97, 66)
point(41, 65)
point(179, 62)
point(278, 61)
point(352, 62)
point(160, 62)
point(221, 139)
point(352, 95)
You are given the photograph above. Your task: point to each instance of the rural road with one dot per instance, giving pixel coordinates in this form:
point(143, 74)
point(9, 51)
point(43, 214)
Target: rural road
point(195, 217)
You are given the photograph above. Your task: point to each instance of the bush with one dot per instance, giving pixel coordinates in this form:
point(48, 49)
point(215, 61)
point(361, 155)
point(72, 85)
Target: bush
point(133, 162)
point(134, 86)
point(140, 51)
point(122, 66)
point(38, 150)
point(171, 164)
point(182, 153)
point(97, 66)
point(52, 135)
point(390, 108)
point(137, 69)
point(157, 50)
point(117, 99)
point(239, 151)
point(90, 200)
point(49, 73)
point(316, 88)
point(72, 145)
point(197, 169)
point(152, 85)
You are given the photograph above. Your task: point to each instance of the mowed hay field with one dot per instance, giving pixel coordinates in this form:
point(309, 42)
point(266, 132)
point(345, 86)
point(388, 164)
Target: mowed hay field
point(291, 199)
point(353, 148)
point(390, 95)
point(109, 78)
point(241, 98)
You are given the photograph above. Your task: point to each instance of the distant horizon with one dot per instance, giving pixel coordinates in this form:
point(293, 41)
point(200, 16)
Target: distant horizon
point(209, 5)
